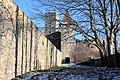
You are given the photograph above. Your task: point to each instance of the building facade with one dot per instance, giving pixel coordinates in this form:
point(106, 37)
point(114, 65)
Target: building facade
point(84, 51)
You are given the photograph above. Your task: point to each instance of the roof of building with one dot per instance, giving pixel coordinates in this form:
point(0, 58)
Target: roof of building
point(55, 38)
point(67, 17)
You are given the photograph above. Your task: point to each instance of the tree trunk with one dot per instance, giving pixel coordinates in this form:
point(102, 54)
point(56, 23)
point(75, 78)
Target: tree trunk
point(103, 56)
point(109, 48)
point(116, 49)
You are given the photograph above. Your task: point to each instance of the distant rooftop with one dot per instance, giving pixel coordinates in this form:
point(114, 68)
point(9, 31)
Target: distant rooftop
point(67, 17)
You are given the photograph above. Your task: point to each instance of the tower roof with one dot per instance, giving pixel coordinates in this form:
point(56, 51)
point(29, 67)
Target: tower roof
point(67, 17)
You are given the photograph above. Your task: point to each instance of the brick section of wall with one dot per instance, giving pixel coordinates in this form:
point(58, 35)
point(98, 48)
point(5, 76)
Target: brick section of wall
point(23, 47)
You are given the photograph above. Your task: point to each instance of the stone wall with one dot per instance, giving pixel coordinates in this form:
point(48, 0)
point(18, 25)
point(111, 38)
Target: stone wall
point(23, 47)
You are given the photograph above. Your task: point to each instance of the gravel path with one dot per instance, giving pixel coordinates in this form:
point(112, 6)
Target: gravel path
point(75, 72)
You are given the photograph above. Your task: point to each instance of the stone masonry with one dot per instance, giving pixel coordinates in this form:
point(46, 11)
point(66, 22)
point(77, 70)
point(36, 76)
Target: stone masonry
point(23, 47)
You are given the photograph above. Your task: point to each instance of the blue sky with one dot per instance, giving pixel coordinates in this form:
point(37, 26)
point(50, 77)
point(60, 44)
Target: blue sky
point(26, 6)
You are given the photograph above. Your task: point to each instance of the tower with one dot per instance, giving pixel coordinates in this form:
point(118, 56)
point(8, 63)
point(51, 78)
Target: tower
point(67, 38)
point(51, 22)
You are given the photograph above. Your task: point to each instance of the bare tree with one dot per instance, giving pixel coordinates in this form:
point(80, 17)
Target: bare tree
point(94, 19)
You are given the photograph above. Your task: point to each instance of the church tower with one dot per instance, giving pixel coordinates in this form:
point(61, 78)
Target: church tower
point(67, 38)
point(51, 23)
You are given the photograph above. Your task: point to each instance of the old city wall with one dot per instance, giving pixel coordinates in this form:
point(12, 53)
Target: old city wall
point(23, 47)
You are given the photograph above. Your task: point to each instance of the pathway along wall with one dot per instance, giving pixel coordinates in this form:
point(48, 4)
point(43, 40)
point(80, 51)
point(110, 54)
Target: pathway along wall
point(23, 47)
